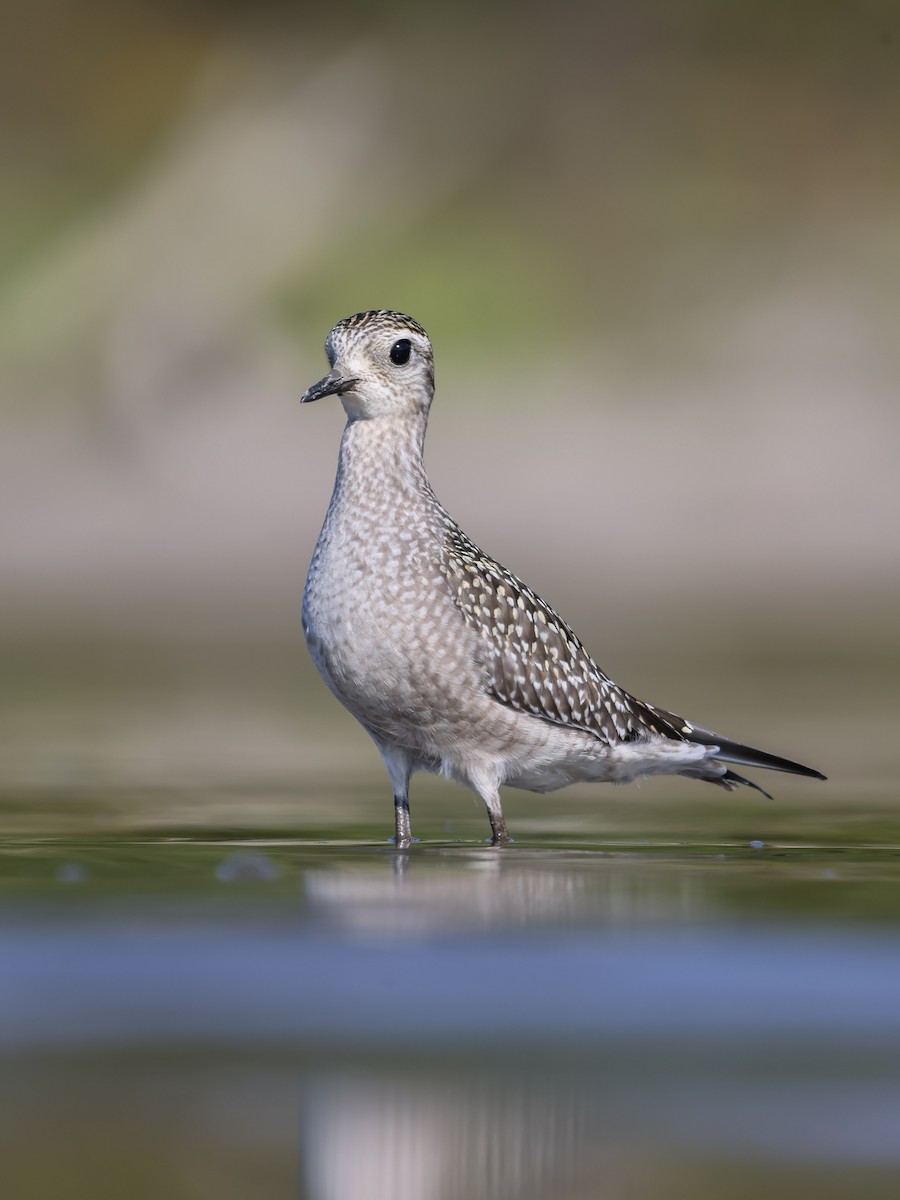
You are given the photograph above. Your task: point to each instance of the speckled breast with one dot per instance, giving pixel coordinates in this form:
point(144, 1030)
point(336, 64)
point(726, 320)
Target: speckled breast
point(382, 627)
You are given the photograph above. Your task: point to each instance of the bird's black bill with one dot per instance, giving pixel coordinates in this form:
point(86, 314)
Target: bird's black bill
point(332, 385)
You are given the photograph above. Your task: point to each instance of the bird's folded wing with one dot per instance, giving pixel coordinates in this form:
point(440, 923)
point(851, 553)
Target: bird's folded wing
point(533, 662)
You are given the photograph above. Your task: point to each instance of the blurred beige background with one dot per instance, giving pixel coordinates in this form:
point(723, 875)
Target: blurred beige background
point(657, 249)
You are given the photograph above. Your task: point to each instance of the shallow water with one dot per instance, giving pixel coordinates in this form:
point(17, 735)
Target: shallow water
point(228, 983)
point(330, 1018)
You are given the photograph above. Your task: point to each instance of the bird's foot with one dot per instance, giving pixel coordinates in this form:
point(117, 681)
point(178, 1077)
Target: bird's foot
point(499, 836)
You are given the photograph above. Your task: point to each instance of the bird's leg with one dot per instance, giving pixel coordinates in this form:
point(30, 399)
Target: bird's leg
point(499, 836)
point(399, 768)
point(402, 833)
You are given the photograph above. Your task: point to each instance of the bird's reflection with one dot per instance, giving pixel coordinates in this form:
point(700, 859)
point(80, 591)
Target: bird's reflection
point(631, 1129)
point(426, 891)
point(407, 1139)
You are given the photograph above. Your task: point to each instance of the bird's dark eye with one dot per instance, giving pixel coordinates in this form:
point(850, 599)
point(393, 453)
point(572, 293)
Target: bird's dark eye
point(400, 352)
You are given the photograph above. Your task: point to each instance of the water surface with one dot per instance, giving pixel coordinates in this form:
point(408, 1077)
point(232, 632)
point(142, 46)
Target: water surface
point(219, 979)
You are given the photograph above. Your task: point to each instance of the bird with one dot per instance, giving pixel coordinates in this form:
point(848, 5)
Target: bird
point(451, 663)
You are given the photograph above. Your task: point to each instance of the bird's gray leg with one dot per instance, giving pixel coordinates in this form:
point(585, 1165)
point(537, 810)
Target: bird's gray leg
point(399, 768)
point(499, 836)
point(402, 836)
point(491, 798)
point(484, 779)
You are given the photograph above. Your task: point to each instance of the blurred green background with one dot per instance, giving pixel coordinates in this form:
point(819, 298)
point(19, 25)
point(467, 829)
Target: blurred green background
point(657, 248)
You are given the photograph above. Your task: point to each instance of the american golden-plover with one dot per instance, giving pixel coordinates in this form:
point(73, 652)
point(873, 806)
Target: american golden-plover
point(449, 662)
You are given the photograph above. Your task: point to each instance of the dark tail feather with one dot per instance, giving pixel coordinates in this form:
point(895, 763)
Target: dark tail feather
point(731, 779)
point(734, 752)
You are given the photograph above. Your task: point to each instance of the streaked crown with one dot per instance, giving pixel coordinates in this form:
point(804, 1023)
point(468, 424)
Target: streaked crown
point(386, 360)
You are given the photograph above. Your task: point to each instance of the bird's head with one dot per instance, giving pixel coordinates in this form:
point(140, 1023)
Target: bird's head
point(381, 365)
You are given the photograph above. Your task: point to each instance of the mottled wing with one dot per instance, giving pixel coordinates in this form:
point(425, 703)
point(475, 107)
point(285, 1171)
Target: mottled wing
point(533, 661)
